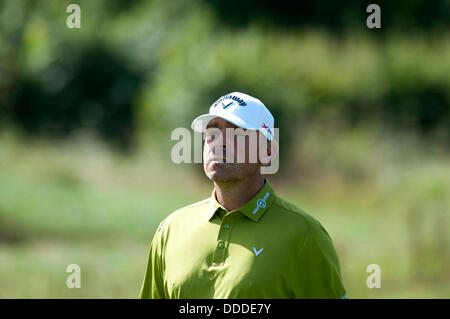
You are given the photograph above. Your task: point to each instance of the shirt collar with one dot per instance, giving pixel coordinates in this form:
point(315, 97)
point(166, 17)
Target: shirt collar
point(253, 209)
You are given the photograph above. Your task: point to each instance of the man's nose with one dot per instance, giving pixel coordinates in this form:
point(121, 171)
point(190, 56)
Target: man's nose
point(224, 137)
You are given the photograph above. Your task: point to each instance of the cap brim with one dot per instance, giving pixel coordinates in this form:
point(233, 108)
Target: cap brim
point(201, 122)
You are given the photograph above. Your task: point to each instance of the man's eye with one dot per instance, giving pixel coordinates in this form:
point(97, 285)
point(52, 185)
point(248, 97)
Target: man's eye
point(211, 133)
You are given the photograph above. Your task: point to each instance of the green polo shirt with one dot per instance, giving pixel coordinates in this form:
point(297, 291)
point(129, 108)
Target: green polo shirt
point(268, 248)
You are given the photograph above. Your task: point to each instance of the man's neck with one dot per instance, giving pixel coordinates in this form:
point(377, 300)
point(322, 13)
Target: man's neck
point(235, 195)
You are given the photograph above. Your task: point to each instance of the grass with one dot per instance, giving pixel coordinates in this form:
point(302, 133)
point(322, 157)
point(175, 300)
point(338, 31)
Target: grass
point(79, 202)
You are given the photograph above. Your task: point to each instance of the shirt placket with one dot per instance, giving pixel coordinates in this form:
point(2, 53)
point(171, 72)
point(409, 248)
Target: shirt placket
point(223, 239)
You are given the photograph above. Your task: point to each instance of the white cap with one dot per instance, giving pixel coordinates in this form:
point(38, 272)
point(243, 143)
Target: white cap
point(240, 109)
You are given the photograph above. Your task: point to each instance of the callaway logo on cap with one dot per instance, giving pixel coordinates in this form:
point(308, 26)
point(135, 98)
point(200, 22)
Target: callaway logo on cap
point(240, 109)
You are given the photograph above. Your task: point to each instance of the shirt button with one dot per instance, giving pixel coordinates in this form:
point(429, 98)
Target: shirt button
point(220, 244)
point(227, 226)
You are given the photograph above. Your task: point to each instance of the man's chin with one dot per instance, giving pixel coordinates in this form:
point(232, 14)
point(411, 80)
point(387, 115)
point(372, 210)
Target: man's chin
point(220, 175)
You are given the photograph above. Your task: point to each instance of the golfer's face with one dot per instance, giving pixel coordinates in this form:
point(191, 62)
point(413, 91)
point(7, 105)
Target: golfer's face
point(226, 156)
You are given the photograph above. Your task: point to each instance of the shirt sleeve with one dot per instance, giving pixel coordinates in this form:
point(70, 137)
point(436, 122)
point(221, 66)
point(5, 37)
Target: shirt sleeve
point(153, 285)
point(318, 274)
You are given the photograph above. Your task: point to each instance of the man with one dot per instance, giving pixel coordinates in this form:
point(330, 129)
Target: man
point(244, 241)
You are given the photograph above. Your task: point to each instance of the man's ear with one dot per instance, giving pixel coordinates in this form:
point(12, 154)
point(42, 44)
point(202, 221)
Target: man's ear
point(272, 150)
point(273, 146)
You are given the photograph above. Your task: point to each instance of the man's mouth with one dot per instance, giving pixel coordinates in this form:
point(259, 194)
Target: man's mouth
point(218, 159)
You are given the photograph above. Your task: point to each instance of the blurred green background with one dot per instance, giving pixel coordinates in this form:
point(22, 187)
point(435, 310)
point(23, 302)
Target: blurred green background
point(86, 116)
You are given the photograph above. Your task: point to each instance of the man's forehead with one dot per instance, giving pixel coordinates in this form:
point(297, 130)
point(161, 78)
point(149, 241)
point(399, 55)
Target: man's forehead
point(219, 123)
